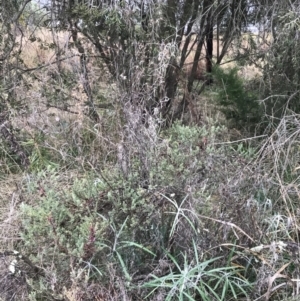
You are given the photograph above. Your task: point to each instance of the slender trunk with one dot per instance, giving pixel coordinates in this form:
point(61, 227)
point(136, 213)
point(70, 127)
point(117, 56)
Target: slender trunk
point(209, 47)
point(196, 60)
point(85, 77)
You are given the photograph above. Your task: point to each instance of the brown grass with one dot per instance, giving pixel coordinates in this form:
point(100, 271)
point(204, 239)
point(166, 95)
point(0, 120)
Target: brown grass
point(247, 72)
point(39, 49)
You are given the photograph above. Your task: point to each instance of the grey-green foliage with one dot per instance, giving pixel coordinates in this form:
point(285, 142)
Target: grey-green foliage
point(282, 69)
point(200, 279)
point(57, 219)
point(60, 224)
point(183, 155)
point(97, 21)
point(86, 226)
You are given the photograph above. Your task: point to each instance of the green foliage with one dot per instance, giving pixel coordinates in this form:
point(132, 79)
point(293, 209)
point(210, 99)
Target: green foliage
point(40, 156)
point(97, 21)
point(88, 223)
point(62, 226)
point(87, 227)
point(182, 155)
point(245, 150)
point(238, 105)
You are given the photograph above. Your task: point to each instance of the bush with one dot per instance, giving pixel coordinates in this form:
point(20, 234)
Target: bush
point(238, 105)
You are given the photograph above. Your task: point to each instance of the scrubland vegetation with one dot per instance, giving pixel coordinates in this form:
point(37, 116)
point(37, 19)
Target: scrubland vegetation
point(149, 150)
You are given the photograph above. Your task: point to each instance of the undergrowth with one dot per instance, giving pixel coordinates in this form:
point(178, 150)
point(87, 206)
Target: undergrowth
point(209, 226)
point(114, 235)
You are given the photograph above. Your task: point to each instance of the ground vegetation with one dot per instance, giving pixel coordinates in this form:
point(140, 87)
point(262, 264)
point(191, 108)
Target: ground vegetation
point(149, 150)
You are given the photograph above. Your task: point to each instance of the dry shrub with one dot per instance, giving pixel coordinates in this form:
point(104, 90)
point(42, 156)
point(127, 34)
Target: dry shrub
point(261, 197)
point(12, 287)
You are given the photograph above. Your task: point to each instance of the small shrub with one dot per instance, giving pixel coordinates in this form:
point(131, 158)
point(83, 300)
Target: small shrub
point(238, 105)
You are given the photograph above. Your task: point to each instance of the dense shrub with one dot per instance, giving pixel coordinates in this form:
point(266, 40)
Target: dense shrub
point(239, 105)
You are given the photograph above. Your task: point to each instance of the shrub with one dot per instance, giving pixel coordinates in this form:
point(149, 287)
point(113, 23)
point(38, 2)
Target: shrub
point(238, 105)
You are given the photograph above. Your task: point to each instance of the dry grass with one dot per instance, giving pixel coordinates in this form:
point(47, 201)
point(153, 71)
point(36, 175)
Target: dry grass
point(9, 214)
point(201, 68)
point(248, 72)
point(39, 48)
point(11, 287)
point(56, 105)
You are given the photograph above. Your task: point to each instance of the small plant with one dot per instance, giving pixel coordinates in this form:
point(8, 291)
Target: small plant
point(199, 279)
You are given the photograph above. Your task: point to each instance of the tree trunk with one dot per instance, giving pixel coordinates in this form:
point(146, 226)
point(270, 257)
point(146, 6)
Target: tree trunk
point(209, 47)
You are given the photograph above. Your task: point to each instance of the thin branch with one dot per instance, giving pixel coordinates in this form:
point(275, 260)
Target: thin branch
point(46, 65)
point(241, 140)
point(228, 224)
